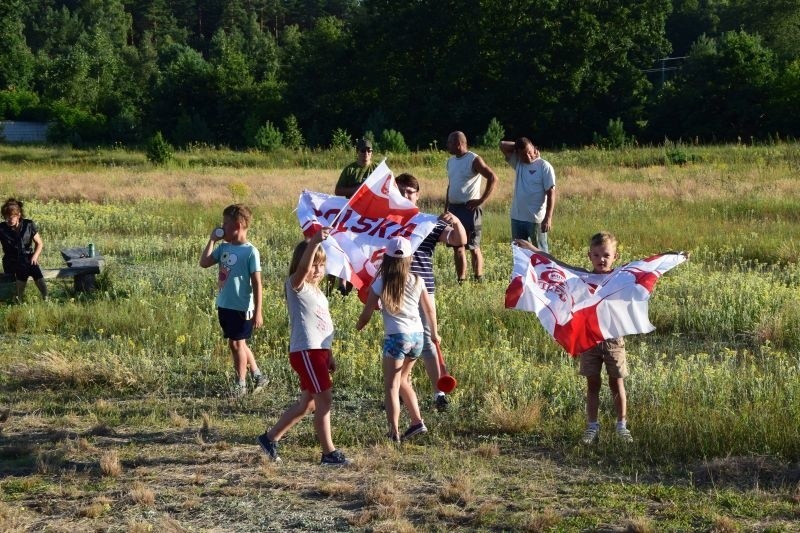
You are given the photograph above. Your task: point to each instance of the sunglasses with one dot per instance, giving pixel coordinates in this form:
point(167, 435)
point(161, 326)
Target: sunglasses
point(407, 191)
point(366, 150)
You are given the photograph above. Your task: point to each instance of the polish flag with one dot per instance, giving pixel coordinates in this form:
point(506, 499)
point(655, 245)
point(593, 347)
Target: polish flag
point(379, 197)
point(579, 308)
point(362, 226)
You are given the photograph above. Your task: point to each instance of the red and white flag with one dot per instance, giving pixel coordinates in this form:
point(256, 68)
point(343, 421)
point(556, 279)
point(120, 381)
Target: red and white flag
point(579, 308)
point(362, 226)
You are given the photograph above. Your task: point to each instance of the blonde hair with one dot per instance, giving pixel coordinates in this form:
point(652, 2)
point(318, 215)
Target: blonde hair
point(394, 271)
point(319, 256)
point(602, 238)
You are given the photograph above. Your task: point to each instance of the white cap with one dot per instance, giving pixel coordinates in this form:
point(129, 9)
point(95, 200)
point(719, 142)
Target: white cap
point(398, 247)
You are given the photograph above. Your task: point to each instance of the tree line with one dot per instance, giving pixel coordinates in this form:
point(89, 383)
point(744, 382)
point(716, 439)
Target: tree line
point(263, 73)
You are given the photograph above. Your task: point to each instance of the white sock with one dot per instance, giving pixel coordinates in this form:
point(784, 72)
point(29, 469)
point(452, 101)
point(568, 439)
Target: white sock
point(593, 425)
point(621, 424)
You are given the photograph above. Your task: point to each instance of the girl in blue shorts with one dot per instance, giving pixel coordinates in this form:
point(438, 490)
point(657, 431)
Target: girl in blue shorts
point(400, 293)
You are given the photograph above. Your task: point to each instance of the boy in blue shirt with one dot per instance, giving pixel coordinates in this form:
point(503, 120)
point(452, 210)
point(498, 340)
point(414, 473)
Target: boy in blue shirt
point(240, 290)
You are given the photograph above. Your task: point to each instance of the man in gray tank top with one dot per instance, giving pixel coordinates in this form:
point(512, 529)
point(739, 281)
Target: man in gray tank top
point(464, 199)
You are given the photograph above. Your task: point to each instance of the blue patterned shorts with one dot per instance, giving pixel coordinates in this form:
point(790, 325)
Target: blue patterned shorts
point(401, 345)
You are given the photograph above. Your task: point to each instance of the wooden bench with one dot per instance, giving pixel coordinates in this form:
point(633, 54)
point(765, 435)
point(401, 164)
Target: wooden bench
point(80, 267)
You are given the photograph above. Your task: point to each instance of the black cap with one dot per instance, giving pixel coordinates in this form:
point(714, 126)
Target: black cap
point(363, 144)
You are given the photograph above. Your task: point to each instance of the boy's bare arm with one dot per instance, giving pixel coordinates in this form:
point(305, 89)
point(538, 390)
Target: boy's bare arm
point(258, 291)
point(206, 258)
point(522, 243)
point(430, 314)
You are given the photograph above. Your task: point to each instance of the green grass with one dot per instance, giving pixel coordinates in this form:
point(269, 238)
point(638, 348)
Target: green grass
point(137, 366)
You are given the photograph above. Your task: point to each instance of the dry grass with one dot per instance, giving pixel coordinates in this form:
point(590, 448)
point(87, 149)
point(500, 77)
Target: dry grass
point(488, 450)
point(540, 522)
point(521, 418)
point(723, 524)
point(110, 464)
point(265, 187)
point(459, 490)
point(97, 508)
point(14, 518)
point(640, 525)
point(273, 187)
point(177, 420)
point(54, 368)
point(141, 494)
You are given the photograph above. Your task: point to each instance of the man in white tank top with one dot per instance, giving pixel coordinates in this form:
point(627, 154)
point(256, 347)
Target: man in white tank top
point(464, 199)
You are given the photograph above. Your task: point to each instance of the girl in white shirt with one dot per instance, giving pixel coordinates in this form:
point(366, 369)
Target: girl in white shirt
point(400, 293)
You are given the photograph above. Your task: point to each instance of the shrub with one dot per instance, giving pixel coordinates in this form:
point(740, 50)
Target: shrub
point(292, 136)
point(158, 150)
point(495, 133)
point(615, 136)
point(674, 153)
point(268, 138)
point(393, 141)
point(341, 139)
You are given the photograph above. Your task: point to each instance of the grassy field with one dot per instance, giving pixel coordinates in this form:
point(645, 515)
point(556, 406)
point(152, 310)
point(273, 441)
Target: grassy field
point(113, 407)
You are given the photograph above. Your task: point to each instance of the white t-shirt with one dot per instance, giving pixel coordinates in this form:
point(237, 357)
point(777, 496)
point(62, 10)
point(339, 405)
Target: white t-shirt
point(531, 183)
point(464, 183)
point(310, 324)
point(408, 320)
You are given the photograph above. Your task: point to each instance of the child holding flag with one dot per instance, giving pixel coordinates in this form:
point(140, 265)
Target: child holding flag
point(400, 292)
point(310, 354)
point(611, 352)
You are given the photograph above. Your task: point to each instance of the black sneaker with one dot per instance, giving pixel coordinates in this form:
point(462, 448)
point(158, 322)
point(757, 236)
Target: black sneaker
point(440, 402)
point(270, 447)
point(416, 429)
point(394, 439)
point(335, 458)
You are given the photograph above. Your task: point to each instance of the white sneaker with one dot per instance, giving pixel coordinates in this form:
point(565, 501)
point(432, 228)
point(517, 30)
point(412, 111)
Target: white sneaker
point(591, 435)
point(624, 435)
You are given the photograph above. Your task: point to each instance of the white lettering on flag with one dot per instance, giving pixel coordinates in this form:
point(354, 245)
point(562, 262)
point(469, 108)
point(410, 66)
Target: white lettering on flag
point(362, 225)
point(579, 308)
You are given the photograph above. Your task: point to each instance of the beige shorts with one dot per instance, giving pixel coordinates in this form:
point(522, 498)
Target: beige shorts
point(610, 352)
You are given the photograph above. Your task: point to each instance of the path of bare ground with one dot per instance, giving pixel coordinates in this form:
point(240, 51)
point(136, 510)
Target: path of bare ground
point(62, 477)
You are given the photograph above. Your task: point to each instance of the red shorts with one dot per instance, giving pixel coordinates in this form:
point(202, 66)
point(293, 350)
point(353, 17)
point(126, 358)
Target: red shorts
point(312, 367)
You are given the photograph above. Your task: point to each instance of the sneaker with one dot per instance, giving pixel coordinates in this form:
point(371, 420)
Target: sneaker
point(270, 447)
point(238, 390)
point(259, 382)
point(335, 458)
point(478, 279)
point(591, 435)
point(416, 429)
point(394, 439)
point(440, 402)
point(624, 435)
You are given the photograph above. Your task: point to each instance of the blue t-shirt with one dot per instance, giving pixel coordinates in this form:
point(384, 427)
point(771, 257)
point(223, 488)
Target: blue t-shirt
point(236, 263)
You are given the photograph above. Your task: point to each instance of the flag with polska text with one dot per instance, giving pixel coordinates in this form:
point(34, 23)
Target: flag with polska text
point(362, 225)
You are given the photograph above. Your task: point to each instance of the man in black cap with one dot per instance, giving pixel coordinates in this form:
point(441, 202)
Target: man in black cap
point(356, 173)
